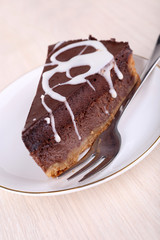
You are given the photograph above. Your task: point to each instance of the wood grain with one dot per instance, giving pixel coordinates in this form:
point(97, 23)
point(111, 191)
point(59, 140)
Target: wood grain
point(128, 207)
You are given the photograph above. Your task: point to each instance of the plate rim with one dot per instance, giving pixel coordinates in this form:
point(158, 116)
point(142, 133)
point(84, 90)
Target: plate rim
point(88, 185)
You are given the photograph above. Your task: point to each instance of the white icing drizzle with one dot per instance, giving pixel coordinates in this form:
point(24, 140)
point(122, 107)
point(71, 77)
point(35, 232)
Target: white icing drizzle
point(73, 120)
point(48, 120)
point(34, 119)
point(105, 72)
point(100, 61)
point(117, 71)
point(58, 44)
point(56, 136)
point(83, 50)
point(105, 110)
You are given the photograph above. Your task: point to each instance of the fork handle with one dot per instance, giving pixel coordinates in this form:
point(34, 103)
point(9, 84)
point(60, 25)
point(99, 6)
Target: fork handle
point(152, 61)
point(147, 70)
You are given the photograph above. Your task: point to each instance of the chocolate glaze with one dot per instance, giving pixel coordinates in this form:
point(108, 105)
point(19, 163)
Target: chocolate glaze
point(87, 106)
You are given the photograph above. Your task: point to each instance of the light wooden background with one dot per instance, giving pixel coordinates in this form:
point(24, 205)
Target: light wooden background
point(127, 207)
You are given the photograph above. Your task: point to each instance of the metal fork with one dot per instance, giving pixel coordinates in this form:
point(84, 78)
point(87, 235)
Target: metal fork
point(107, 145)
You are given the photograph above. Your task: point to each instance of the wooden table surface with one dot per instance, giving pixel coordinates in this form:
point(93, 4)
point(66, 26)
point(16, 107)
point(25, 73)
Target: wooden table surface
point(127, 207)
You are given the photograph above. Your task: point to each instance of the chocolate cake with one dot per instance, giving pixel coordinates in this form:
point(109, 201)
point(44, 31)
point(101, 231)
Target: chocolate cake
point(82, 86)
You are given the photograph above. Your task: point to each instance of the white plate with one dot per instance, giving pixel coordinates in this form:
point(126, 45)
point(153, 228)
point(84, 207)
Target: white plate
point(139, 128)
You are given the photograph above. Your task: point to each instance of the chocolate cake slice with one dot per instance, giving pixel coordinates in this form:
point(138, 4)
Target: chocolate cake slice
point(82, 86)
